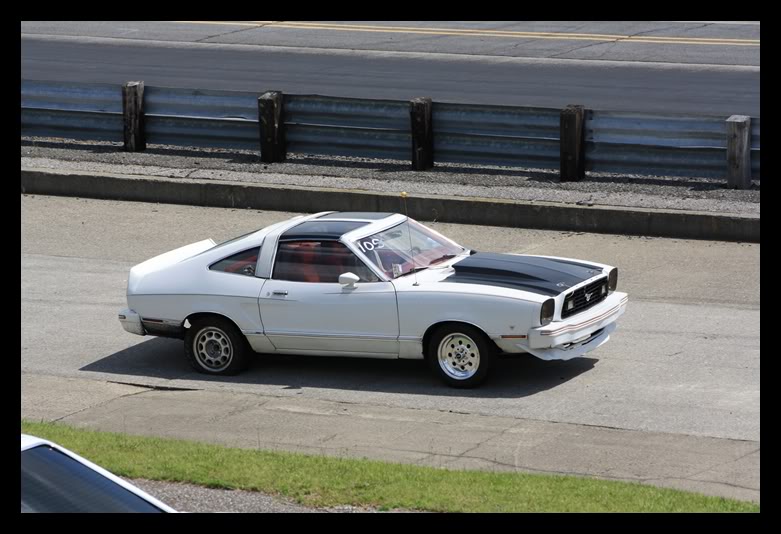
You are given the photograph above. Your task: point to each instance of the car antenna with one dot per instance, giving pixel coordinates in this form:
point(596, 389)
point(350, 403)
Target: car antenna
point(409, 234)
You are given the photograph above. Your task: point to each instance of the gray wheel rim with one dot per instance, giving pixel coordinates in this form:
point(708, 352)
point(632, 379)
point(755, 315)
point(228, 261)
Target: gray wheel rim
point(458, 356)
point(213, 349)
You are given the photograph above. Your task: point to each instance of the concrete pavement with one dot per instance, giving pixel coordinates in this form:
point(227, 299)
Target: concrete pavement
point(673, 398)
point(225, 189)
point(724, 467)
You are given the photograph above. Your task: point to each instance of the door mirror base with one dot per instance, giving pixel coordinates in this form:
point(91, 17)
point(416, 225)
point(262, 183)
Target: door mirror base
point(348, 280)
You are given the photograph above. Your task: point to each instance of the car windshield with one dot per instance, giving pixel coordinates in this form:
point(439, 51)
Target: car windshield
point(54, 482)
point(407, 247)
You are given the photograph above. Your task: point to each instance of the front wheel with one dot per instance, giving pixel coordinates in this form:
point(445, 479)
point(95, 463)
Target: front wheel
point(461, 355)
point(214, 346)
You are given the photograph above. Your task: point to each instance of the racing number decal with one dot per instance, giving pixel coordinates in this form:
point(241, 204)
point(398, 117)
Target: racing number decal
point(370, 245)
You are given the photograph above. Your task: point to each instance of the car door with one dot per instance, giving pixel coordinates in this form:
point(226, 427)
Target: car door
point(305, 310)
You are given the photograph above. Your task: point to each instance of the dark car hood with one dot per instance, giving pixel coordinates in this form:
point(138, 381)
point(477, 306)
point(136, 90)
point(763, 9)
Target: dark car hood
point(544, 276)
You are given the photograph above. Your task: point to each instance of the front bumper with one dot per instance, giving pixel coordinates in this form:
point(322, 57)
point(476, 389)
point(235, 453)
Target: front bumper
point(575, 350)
point(580, 334)
point(131, 322)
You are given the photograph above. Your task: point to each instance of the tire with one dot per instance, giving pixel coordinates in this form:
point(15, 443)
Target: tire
point(214, 346)
point(465, 363)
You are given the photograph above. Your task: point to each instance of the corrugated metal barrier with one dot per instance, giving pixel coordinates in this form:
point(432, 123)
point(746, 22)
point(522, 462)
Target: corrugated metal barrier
point(620, 142)
point(496, 135)
point(347, 126)
point(71, 110)
point(674, 145)
point(210, 119)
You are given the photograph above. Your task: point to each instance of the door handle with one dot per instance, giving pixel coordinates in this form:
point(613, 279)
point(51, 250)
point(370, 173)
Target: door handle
point(279, 292)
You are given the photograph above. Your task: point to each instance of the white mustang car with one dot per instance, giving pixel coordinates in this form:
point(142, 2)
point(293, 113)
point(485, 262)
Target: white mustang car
point(373, 285)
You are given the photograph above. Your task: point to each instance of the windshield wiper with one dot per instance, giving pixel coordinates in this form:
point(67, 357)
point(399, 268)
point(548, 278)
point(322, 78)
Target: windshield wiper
point(415, 270)
point(443, 258)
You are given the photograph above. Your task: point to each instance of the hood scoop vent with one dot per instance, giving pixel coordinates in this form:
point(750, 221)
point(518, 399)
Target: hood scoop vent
point(544, 276)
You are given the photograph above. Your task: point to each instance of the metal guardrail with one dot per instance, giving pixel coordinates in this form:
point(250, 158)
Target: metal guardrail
point(755, 148)
point(94, 97)
point(83, 125)
point(77, 111)
point(347, 126)
point(203, 104)
point(632, 143)
point(516, 136)
point(654, 144)
point(209, 119)
point(674, 145)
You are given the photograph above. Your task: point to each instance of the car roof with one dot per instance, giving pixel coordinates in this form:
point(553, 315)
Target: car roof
point(356, 215)
point(28, 442)
point(332, 226)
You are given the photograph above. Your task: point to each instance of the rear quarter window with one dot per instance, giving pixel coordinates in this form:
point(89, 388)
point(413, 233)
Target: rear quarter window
point(241, 263)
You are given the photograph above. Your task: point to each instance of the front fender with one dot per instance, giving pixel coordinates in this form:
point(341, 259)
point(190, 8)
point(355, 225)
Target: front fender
point(493, 315)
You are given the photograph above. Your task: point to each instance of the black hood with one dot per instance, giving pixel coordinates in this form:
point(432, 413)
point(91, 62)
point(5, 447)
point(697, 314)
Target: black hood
point(544, 276)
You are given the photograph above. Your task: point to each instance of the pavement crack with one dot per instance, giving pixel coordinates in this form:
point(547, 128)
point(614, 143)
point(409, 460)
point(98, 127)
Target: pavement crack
point(465, 453)
point(104, 403)
point(719, 464)
point(620, 39)
point(699, 27)
point(477, 446)
point(256, 27)
point(243, 407)
point(644, 32)
point(151, 387)
point(517, 420)
point(559, 54)
point(327, 438)
point(514, 466)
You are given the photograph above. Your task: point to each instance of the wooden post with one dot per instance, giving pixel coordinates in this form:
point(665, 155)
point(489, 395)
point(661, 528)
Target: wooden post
point(133, 114)
point(422, 130)
point(272, 127)
point(572, 166)
point(739, 152)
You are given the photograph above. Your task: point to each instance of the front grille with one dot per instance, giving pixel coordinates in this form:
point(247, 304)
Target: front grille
point(579, 300)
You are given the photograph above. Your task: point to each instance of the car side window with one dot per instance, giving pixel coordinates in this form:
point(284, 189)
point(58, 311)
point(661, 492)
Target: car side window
point(241, 263)
point(318, 261)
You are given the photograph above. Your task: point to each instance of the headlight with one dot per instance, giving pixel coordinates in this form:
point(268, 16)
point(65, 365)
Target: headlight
point(546, 313)
point(612, 279)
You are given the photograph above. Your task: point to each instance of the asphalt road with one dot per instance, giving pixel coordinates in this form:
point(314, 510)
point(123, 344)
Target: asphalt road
point(692, 42)
point(674, 67)
point(684, 360)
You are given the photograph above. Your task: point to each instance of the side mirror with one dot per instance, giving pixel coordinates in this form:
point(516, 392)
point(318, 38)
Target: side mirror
point(348, 279)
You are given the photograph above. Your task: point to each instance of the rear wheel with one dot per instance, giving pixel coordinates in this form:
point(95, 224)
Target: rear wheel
point(461, 355)
point(214, 346)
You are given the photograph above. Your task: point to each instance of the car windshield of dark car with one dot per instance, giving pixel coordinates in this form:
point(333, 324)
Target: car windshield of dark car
point(407, 247)
point(55, 482)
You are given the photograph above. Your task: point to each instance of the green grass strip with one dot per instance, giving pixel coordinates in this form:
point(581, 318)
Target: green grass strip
point(327, 481)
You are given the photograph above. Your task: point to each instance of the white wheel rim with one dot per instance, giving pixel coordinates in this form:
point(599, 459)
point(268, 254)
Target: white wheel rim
point(458, 356)
point(213, 349)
